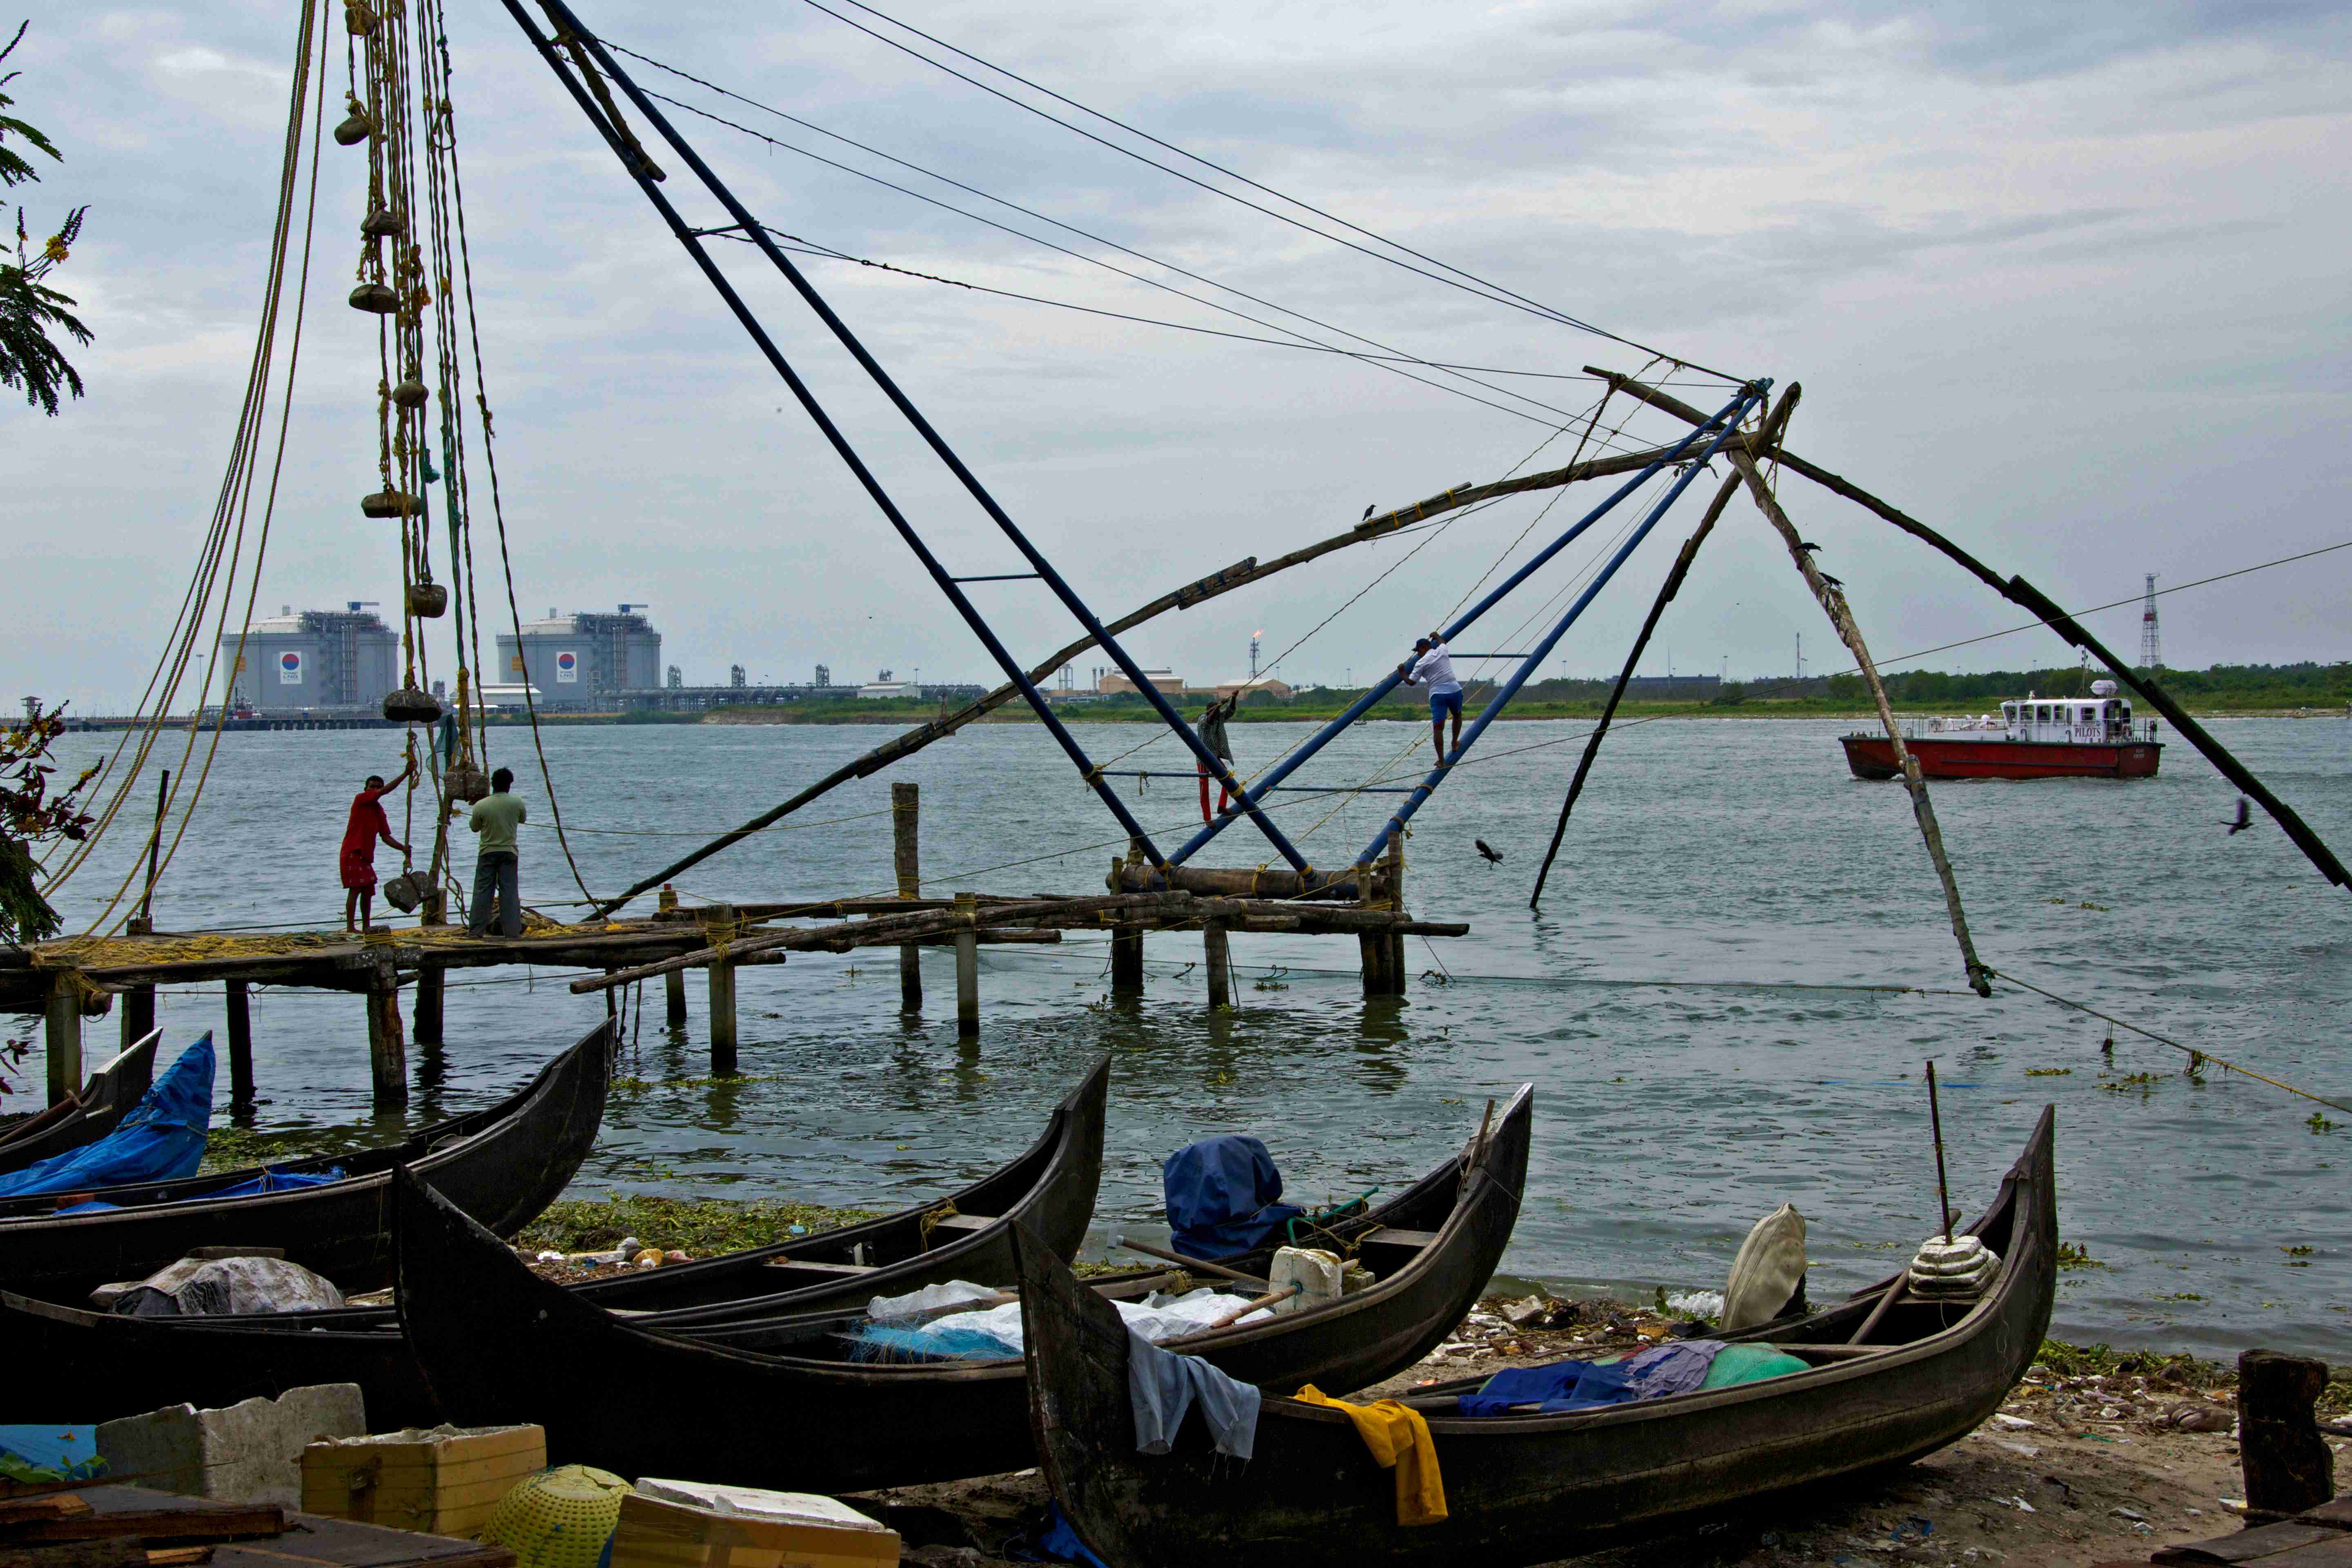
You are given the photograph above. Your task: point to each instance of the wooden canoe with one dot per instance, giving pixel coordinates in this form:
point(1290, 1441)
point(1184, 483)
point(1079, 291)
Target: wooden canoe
point(99, 1366)
point(777, 1403)
point(1535, 1487)
point(89, 1116)
point(503, 1164)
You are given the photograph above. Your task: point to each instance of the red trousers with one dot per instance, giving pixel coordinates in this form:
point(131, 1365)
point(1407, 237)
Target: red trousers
point(1224, 796)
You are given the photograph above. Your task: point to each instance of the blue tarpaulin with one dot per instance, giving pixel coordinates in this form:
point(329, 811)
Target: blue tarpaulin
point(163, 1137)
point(1221, 1195)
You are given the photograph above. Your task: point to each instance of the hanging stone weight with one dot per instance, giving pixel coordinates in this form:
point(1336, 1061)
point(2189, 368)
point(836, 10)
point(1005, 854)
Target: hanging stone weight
point(354, 129)
point(360, 20)
point(405, 892)
point(427, 601)
point(410, 395)
point(465, 782)
point(380, 223)
point(410, 706)
point(390, 503)
point(375, 298)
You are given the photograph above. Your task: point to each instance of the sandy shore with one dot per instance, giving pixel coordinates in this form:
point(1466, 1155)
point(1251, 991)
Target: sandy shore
point(2084, 1464)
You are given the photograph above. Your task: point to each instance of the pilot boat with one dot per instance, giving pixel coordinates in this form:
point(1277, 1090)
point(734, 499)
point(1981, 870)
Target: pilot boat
point(2034, 737)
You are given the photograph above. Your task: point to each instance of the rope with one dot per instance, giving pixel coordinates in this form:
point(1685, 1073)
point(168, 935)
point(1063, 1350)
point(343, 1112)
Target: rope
point(2150, 1034)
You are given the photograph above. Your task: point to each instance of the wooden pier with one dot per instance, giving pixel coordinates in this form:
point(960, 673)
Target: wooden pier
point(74, 980)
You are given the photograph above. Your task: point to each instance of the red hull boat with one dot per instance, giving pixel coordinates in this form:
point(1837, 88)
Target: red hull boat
point(2034, 738)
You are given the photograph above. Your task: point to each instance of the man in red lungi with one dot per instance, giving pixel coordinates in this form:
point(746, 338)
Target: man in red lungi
point(358, 858)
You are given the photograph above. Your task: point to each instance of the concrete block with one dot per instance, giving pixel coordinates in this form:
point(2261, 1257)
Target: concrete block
point(245, 1453)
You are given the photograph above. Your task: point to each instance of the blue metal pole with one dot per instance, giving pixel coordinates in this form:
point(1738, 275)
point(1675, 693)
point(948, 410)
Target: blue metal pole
point(1365, 703)
point(757, 234)
point(832, 433)
point(1519, 677)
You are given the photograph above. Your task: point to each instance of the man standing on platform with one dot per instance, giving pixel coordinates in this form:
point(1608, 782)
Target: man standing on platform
point(365, 825)
point(1212, 739)
point(1432, 665)
point(497, 874)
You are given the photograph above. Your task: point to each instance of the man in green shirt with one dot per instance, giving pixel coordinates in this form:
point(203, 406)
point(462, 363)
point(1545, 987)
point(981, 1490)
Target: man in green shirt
point(497, 874)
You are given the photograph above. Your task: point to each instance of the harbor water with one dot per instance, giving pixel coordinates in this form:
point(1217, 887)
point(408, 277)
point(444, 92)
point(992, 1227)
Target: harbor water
point(1740, 967)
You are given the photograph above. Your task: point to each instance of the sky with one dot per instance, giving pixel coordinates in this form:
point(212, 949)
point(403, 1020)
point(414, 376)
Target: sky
point(2065, 282)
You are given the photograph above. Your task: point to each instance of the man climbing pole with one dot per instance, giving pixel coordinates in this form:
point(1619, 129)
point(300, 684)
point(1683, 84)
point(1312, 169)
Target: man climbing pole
point(497, 872)
point(1213, 737)
point(367, 824)
point(1431, 666)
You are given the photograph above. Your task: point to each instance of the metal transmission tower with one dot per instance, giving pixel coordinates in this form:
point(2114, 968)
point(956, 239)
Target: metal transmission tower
point(2151, 644)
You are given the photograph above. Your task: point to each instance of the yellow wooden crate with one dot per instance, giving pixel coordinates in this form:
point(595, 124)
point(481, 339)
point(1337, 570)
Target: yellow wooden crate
point(659, 1534)
point(442, 1481)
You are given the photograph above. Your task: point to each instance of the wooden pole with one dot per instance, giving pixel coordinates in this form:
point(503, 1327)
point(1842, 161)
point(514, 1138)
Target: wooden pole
point(240, 1043)
point(722, 992)
point(63, 1031)
point(426, 1026)
point(905, 818)
point(674, 983)
point(1217, 952)
point(1943, 1188)
point(1126, 940)
point(1393, 862)
point(967, 960)
point(138, 1014)
point(154, 849)
point(1373, 948)
point(387, 1053)
point(2287, 1464)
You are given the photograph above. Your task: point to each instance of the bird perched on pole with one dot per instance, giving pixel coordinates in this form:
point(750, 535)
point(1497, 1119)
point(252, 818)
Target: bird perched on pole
point(1494, 858)
point(1832, 582)
point(1808, 547)
point(2243, 820)
point(1368, 511)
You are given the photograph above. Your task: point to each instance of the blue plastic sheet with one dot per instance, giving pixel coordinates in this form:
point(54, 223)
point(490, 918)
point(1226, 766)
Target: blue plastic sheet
point(162, 1138)
point(1221, 1195)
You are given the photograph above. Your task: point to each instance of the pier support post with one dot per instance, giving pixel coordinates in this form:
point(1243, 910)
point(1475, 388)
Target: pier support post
point(722, 992)
point(425, 1028)
point(240, 1043)
point(1393, 863)
point(1126, 958)
point(64, 1037)
point(1378, 949)
point(387, 1052)
point(967, 952)
point(2288, 1468)
point(1216, 945)
point(674, 983)
point(137, 1001)
point(905, 802)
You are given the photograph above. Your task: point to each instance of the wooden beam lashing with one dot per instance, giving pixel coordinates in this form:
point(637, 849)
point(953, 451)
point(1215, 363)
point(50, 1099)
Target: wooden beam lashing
point(387, 1052)
point(905, 802)
point(2288, 1466)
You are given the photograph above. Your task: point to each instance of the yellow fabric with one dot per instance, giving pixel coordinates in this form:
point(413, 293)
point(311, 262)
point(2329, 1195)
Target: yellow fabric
point(1399, 1440)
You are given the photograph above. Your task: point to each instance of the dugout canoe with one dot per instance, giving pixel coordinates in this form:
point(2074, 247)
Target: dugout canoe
point(86, 1117)
point(1535, 1487)
point(70, 1359)
point(503, 1164)
point(496, 1343)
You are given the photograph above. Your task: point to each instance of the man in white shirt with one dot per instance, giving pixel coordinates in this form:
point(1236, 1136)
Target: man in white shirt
point(1433, 667)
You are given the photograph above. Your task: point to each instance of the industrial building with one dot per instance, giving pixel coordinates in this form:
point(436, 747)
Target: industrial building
point(586, 659)
point(345, 658)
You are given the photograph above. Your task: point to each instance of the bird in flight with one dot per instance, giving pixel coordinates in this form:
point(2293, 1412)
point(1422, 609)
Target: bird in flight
point(1494, 857)
point(2243, 820)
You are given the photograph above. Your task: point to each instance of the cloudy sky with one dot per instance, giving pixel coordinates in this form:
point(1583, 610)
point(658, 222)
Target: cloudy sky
point(2069, 282)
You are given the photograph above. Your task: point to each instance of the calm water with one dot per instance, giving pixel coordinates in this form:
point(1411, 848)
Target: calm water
point(1691, 1004)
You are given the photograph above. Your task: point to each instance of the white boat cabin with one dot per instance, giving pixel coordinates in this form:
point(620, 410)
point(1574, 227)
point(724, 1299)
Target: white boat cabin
point(2099, 717)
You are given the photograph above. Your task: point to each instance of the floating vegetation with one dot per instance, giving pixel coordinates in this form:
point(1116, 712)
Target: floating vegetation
point(2181, 1295)
point(702, 1226)
point(2319, 1122)
point(2075, 1254)
point(2145, 1082)
point(2049, 1072)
